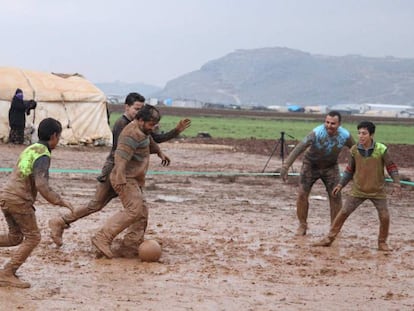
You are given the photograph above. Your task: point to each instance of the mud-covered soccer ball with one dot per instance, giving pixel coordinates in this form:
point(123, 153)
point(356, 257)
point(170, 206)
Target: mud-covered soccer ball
point(149, 251)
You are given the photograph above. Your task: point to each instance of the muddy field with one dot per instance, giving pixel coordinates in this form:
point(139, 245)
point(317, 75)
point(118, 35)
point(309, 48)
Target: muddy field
point(228, 241)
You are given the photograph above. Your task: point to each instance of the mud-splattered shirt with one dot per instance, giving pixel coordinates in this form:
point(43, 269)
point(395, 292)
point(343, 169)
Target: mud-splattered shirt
point(31, 175)
point(132, 155)
point(321, 149)
point(366, 169)
point(119, 125)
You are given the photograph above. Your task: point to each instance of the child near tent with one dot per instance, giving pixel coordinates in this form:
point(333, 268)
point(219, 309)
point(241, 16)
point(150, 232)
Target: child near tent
point(30, 176)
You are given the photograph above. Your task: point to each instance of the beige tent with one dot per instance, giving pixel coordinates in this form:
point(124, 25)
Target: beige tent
point(78, 104)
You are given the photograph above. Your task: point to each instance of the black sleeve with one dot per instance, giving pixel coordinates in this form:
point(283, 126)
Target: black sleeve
point(163, 137)
point(116, 131)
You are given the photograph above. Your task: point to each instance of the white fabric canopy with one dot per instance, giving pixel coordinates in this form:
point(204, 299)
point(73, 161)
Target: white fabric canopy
point(77, 103)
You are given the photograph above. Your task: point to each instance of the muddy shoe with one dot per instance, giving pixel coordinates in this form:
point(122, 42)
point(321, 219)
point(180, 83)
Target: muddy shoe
point(11, 280)
point(57, 225)
point(126, 252)
point(383, 247)
point(301, 231)
point(102, 246)
point(324, 242)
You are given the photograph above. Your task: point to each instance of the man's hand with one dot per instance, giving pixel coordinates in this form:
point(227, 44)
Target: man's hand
point(165, 161)
point(284, 173)
point(336, 190)
point(183, 125)
point(397, 190)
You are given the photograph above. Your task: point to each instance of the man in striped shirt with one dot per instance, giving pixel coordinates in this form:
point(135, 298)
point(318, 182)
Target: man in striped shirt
point(135, 144)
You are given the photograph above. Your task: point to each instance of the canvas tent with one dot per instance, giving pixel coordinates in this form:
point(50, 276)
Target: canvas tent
point(78, 104)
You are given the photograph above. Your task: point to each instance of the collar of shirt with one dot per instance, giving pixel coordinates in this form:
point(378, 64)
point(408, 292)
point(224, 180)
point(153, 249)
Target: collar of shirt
point(366, 152)
point(125, 116)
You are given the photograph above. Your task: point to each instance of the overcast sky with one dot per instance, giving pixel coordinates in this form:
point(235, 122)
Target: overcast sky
point(154, 41)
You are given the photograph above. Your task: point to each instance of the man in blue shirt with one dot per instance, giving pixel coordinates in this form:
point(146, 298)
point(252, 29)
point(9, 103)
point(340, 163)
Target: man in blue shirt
point(322, 147)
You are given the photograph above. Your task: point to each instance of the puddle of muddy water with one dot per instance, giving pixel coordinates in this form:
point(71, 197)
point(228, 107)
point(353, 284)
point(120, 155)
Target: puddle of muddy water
point(171, 198)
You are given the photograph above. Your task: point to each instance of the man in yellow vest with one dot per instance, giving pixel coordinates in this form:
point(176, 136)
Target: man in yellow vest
point(30, 176)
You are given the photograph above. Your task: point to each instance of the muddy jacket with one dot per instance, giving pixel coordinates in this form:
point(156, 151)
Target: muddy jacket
point(321, 150)
point(132, 155)
point(116, 131)
point(30, 176)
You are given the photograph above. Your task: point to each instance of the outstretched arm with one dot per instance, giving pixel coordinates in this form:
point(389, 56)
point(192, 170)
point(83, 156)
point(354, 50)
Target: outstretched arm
point(182, 125)
point(301, 147)
point(346, 176)
point(41, 178)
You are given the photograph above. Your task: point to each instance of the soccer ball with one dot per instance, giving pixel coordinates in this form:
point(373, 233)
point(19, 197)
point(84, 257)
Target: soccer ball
point(149, 251)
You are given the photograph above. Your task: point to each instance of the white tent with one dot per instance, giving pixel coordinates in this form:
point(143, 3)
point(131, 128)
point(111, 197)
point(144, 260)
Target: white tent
point(78, 104)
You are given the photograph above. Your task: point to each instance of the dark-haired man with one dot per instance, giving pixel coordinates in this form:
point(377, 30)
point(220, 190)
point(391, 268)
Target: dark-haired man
point(30, 176)
point(135, 144)
point(322, 147)
point(104, 191)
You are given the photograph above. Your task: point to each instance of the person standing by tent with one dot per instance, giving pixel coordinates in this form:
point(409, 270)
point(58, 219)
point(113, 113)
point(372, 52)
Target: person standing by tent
point(17, 117)
point(127, 178)
point(30, 176)
point(322, 147)
point(104, 191)
point(366, 169)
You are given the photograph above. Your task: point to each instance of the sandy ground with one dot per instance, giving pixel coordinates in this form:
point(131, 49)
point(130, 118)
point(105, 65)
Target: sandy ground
point(228, 243)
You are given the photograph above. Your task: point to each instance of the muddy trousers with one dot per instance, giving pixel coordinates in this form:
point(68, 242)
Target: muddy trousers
point(351, 205)
point(133, 217)
point(308, 176)
point(302, 207)
point(23, 231)
point(103, 195)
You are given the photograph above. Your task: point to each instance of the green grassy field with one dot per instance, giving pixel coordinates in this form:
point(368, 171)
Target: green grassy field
point(270, 129)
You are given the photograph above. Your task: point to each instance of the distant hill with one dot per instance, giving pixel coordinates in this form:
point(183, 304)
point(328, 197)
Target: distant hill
point(118, 88)
point(276, 76)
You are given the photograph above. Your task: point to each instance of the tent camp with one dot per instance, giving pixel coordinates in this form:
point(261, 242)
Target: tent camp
point(78, 104)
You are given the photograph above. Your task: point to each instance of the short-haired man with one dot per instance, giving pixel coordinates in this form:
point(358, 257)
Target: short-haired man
point(135, 144)
point(104, 192)
point(322, 147)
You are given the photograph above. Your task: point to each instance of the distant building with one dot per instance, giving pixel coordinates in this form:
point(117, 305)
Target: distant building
point(316, 109)
point(385, 107)
point(295, 108)
point(275, 108)
point(387, 110)
point(152, 101)
point(409, 113)
point(189, 103)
